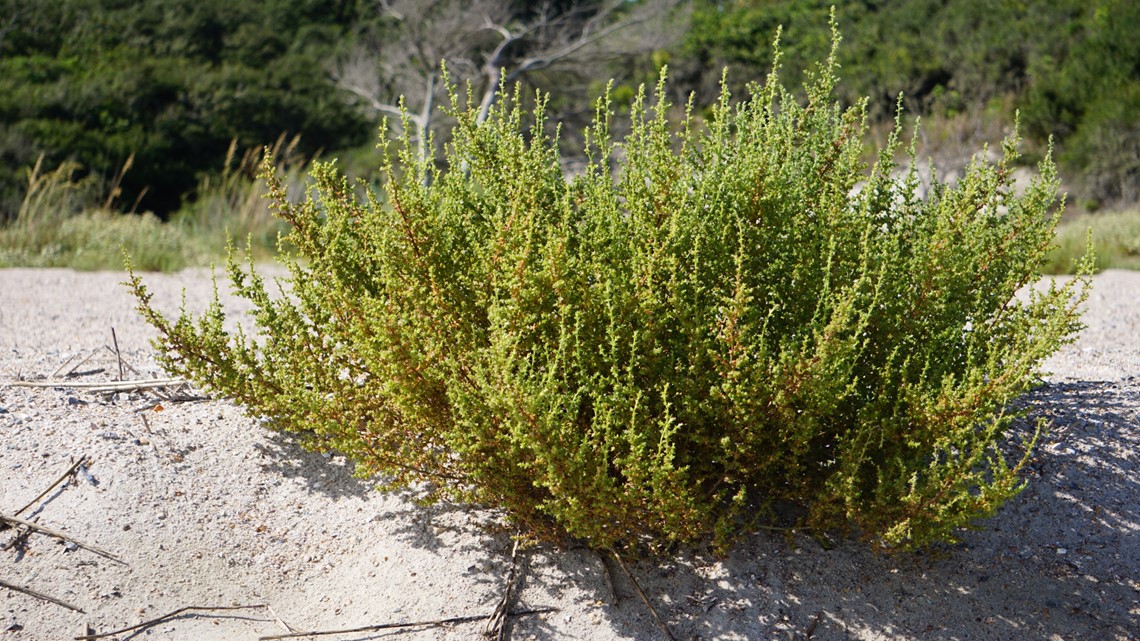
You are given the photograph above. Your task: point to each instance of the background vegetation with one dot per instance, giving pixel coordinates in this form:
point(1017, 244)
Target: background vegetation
point(150, 105)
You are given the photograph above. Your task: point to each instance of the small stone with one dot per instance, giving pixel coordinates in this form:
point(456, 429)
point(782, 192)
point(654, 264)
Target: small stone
point(71, 400)
point(1062, 551)
point(70, 546)
point(82, 471)
point(13, 627)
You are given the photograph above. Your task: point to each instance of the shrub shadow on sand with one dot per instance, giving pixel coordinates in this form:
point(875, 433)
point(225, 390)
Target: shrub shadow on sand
point(1059, 559)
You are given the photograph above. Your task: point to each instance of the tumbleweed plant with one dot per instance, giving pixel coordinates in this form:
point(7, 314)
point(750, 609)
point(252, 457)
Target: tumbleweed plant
point(718, 319)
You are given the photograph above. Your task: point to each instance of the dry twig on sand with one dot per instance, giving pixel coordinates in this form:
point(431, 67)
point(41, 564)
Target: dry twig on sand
point(166, 617)
point(607, 576)
point(29, 527)
point(123, 364)
point(66, 475)
point(644, 599)
point(414, 624)
point(114, 386)
point(73, 367)
point(118, 354)
point(40, 596)
point(496, 627)
point(12, 520)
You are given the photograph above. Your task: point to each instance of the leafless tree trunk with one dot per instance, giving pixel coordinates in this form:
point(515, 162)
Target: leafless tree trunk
point(490, 44)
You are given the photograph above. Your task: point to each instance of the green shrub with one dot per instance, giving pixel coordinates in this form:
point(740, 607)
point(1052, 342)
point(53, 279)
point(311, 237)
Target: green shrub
point(708, 324)
point(1116, 235)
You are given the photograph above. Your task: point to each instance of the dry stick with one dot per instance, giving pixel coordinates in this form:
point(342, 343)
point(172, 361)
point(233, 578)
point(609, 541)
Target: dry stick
point(19, 542)
point(608, 577)
point(75, 366)
point(288, 628)
point(65, 363)
point(496, 627)
point(644, 599)
point(66, 475)
point(122, 360)
point(118, 354)
point(60, 535)
point(414, 624)
point(166, 617)
point(95, 386)
point(42, 597)
point(57, 370)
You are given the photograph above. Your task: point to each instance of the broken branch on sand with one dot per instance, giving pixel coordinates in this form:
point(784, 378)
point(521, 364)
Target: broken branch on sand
point(39, 595)
point(96, 386)
point(644, 599)
point(496, 628)
point(12, 520)
point(414, 624)
point(66, 475)
point(166, 617)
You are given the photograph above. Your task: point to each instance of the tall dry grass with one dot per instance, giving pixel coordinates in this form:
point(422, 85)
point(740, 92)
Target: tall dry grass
point(69, 219)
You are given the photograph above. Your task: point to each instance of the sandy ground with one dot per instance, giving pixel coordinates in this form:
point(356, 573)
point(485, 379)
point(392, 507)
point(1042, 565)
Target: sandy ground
point(208, 509)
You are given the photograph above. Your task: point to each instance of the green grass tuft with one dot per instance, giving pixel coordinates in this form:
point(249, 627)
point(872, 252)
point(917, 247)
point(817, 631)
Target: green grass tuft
point(1115, 235)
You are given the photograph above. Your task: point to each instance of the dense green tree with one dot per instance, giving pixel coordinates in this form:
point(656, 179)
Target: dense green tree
point(1072, 67)
point(937, 53)
point(169, 83)
point(1090, 97)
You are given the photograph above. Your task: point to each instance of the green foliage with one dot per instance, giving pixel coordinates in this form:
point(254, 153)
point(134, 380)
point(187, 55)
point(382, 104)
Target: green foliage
point(1090, 99)
point(168, 82)
point(1116, 236)
point(1072, 68)
point(706, 325)
point(62, 223)
point(943, 56)
point(68, 218)
point(233, 204)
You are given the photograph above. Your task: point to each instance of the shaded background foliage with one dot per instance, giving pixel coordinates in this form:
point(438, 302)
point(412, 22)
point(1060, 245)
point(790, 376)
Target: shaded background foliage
point(1071, 67)
point(169, 82)
point(172, 83)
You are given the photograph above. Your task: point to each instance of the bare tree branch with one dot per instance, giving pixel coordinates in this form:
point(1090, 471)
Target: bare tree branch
point(400, 55)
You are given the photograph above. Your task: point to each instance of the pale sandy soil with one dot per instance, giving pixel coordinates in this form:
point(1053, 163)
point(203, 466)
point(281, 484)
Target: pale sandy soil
point(208, 509)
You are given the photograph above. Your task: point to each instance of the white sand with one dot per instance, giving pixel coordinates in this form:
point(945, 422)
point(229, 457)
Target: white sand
point(209, 509)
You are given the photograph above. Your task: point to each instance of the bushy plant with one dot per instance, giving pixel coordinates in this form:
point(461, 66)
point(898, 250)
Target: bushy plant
point(713, 321)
